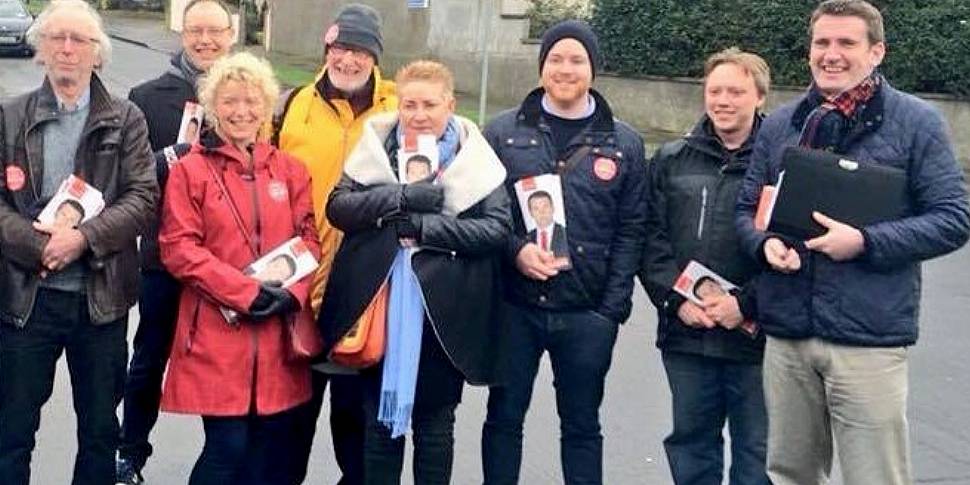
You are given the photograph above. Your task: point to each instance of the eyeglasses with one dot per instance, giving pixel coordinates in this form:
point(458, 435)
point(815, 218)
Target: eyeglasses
point(75, 38)
point(343, 49)
point(198, 32)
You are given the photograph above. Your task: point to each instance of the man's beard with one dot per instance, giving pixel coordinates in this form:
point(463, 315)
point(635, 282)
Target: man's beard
point(352, 88)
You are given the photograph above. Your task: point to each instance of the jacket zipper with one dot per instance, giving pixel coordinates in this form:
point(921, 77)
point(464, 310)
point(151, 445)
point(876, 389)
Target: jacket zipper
point(700, 220)
point(252, 390)
point(438, 249)
point(258, 241)
point(30, 166)
point(257, 223)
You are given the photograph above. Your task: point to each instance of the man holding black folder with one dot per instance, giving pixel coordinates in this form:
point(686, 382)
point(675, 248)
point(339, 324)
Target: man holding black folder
point(840, 309)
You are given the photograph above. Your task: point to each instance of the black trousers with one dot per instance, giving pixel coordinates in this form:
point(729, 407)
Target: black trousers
point(346, 426)
point(96, 356)
point(438, 392)
point(158, 310)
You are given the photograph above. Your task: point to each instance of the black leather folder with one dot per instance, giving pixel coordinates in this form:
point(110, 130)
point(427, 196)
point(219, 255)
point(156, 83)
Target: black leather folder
point(856, 193)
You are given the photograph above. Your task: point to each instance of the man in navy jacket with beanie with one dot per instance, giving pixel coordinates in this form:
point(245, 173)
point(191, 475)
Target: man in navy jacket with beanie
point(568, 129)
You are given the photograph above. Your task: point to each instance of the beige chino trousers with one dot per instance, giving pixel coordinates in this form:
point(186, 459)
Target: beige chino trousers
point(816, 391)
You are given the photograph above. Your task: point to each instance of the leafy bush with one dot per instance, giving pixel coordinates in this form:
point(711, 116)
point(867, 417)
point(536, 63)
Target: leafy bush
point(546, 13)
point(928, 40)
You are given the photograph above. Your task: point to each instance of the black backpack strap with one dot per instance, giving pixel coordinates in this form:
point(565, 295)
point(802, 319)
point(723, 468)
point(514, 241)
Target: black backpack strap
point(279, 114)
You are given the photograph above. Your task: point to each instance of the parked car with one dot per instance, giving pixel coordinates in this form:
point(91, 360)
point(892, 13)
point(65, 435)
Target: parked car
point(14, 21)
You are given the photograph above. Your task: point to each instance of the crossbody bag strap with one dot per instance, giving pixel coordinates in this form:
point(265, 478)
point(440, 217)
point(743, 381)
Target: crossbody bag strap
point(577, 156)
point(232, 208)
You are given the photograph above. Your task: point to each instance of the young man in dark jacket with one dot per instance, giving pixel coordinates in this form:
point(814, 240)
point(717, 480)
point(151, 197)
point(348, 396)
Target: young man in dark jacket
point(711, 351)
point(207, 35)
point(841, 309)
point(68, 289)
point(566, 128)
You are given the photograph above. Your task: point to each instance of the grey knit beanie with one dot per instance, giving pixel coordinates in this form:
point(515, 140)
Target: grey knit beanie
point(359, 26)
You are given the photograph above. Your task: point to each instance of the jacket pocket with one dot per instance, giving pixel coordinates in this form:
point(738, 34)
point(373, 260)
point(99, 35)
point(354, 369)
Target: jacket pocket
point(589, 266)
point(103, 172)
point(522, 155)
point(784, 302)
point(878, 308)
point(193, 326)
point(116, 281)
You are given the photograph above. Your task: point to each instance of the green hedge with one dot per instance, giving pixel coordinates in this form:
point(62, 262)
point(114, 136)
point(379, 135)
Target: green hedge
point(546, 13)
point(928, 40)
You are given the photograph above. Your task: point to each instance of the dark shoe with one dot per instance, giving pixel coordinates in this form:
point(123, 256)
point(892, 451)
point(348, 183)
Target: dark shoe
point(126, 473)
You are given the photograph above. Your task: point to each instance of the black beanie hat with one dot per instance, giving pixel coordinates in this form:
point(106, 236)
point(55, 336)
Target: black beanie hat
point(571, 29)
point(359, 26)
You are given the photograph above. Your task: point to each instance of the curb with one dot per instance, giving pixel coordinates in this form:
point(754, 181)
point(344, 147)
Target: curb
point(139, 43)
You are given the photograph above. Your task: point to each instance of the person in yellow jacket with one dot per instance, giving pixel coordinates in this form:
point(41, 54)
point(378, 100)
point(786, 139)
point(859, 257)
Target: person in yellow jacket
point(319, 124)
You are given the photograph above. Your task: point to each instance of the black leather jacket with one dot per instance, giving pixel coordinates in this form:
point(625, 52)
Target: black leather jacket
point(458, 266)
point(114, 157)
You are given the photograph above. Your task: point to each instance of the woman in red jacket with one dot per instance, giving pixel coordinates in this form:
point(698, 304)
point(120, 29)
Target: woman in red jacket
point(231, 200)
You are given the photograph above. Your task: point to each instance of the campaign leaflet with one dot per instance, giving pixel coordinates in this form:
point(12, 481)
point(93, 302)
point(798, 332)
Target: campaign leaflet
point(418, 158)
point(287, 263)
point(698, 282)
point(766, 203)
point(191, 124)
point(544, 215)
point(74, 203)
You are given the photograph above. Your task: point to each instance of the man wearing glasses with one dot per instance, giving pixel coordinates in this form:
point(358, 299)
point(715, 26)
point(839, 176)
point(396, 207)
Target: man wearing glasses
point(207, 35)
point(68, 289)
point(319, 124)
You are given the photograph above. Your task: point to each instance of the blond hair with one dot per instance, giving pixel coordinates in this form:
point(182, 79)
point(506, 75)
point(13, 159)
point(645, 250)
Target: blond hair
point(102, 41)
point(427, 71)
point(750, 63)
point(242, 67)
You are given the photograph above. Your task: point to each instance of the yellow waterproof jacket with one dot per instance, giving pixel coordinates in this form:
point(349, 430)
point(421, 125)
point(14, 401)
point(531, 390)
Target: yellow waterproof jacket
point(321, 133)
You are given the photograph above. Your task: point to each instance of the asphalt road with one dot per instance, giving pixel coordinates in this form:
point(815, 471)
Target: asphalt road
point(636, 409)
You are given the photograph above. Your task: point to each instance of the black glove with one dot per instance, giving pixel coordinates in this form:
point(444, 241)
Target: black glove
point(409, 227)
point(423, 196)
point(272, 299)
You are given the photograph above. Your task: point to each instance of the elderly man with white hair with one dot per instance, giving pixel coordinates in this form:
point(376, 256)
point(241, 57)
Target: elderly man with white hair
point(68, 289)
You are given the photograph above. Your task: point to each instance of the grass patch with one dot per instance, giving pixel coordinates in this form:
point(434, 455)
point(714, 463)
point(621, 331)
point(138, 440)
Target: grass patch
point(291, 76)
point(467, 112)
point(35, 6)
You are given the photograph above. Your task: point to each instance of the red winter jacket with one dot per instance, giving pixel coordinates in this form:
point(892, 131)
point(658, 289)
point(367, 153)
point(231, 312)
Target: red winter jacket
point(218, 369)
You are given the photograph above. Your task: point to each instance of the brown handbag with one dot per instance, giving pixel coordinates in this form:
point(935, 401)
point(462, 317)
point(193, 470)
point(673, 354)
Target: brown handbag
point(363, 345)
point(303, 340)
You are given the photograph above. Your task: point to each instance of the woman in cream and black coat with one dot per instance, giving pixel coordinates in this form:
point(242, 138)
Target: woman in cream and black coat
point(452, 227)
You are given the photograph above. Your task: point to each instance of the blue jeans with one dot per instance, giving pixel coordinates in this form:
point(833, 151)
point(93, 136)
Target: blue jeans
point(246, 450)
point(580, 346)
point(96, 356)
point(158, 310)
point(707, 392)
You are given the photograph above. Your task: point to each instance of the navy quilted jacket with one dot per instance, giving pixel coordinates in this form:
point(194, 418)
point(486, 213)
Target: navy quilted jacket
point(872, 300)
point(605, 217)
